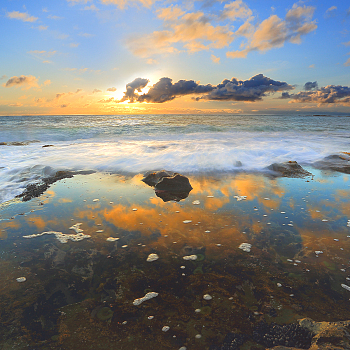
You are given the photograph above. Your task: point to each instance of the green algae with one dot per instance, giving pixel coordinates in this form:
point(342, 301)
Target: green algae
point(104, 314)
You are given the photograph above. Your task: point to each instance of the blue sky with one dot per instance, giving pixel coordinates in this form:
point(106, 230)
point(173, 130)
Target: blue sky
point(113, 56)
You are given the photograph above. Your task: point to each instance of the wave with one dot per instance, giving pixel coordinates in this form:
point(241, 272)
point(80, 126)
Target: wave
point(185, 153)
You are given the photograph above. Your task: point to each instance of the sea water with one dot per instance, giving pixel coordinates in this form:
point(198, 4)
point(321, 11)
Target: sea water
point(268, 249)
point(182, 143)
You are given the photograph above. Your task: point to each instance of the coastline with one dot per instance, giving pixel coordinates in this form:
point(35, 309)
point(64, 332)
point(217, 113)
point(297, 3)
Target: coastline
point(92, 283)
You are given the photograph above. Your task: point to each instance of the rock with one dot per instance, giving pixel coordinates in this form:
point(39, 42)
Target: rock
point(328, 335)
point(152, 178)
point(37, 189)
point(288, 169)
point(175, 184)
point(168, 186)
point(335, 162)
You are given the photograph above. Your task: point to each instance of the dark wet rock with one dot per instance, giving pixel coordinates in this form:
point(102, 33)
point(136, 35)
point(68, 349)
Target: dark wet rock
point(47, 146)
point(37, 189)
point(152, 178)
point(176, 183)
point(290, 335)
point(288, 169)
point(335, 162)
point(168, 186)
point(3, 143)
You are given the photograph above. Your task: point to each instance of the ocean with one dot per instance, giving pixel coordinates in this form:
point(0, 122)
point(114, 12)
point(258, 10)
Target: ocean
point(244, 258)
point(182, 143)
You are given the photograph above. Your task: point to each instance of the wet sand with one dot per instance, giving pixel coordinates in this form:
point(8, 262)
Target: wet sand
point(80, 294)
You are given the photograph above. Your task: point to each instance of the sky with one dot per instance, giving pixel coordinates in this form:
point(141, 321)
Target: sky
point(158, 57)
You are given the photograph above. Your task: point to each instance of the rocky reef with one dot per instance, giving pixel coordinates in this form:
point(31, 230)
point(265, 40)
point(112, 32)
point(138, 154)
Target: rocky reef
point(335, 162)
point(37, 189)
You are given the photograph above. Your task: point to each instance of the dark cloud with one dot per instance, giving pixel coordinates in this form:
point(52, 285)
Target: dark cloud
point(285, 95)
point(22, 80)
point(136, 85)
point(328, 94)
point(164, 90)
point(229, 90)
point(310, 85)
point(252, 89)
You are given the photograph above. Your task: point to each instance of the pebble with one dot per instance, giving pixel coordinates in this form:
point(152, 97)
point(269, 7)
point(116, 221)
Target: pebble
point(150, 317)
point(99, 231)
point(21, 279)
point(345, 287)
point(124, 246)
point(125, 322)
point(207, 231)
point(148, 296)
point(324, 220)
point(279, 285)
point(196, 202)
point(182, 267)
point(134, 209)
point(152, 257)
point(165, 328)
point(335, 239)
point(318, 252)
point(187, 221)
point(198, 336)
point(183, 348)
point(207, 297)
point(197, 310)
point(95, 200)
point(112, 239)
point(190, 257)
point(245, 247)
point(218, 244)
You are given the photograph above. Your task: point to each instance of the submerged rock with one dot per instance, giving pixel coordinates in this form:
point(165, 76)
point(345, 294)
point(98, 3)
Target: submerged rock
point(288, 169)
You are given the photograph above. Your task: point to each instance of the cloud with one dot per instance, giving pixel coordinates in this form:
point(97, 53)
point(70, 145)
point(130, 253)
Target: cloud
point(229, 90)
point(86, 35)
point(74, 44)
point(346, 44)
point(112, 89)
point(96, 91)
point(251, 90)
point(310, 86)
point(26, 82)
point(347, 63)
point(330, 12)
point(47, 82)
point(91, 8)
point(123, 3)
point(311, 66)
point(136, 85)
point(22, 16)
point(42, 53)
point(273, 32)
point(111, 99)
point(54, 17)
point(15, 104)
point(3, 77)
point(42, 27)
point(324, 95)
point(236, 10)
point(215, 59)
point(192, 30)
